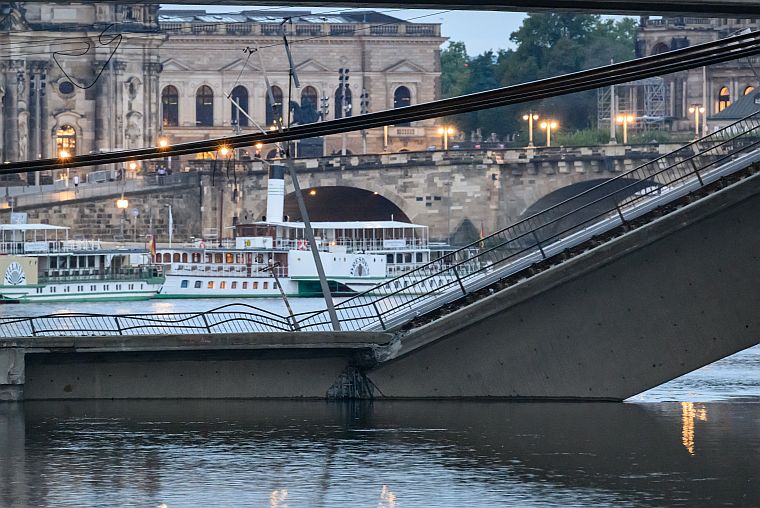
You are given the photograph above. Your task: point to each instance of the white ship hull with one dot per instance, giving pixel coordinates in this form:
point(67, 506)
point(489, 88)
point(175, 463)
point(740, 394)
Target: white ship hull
point(104, 290)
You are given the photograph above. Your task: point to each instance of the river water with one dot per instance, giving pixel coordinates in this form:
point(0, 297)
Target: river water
point(692, 442)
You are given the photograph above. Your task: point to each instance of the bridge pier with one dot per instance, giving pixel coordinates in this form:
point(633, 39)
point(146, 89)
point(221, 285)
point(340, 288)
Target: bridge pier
point(12, 374)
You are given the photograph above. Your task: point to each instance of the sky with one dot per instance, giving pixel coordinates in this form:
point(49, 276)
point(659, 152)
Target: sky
point(480, 31)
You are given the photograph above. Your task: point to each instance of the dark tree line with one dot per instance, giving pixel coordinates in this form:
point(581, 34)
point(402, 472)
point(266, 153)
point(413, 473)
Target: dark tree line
point(547, 45)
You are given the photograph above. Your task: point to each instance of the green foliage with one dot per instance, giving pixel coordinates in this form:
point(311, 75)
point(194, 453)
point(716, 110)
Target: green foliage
point(585, 137)
point(547, 44)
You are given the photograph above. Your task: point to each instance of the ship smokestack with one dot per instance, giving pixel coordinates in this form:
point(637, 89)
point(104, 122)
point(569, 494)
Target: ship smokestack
point(275, 193)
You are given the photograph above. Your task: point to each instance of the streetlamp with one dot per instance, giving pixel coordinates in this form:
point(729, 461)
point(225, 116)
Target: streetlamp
point(122, 204)
point(696, 110)
point(625, 119)
point(548, 126)
point(163, 143)
point(530, 117)
point(64, 154)
point(446, 131)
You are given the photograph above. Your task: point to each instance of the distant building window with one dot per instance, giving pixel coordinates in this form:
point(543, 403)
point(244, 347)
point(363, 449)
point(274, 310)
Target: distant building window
point(402, 98)
point(66, 87)
point(170, 107)
point(724, 98)
point(66, 141)
point(274, 112)
point(183, 284)
point(239, 96)
point(204, 107)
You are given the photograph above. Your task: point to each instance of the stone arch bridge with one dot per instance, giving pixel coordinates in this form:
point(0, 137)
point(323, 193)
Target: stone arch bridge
point(457, 194)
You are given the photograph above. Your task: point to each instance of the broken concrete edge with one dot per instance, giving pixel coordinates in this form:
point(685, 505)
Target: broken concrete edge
point(408, 341)
point(127, 343)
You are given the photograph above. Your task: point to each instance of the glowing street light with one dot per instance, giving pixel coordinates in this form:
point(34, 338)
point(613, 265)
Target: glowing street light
point(696, 110)
point(122, 203)
point(64, 154)
point(163, 142)
point(548, 126)
point(446, 131)
point(530, 117)
point(625, 119)
point(224, 151)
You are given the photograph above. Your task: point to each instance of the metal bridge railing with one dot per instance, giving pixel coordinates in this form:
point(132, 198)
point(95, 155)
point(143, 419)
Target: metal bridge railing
point(472, 267)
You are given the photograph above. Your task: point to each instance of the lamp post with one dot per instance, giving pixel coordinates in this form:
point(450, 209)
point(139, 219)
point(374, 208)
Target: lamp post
point(625, 119)
point(696, 110)
point(163, 143)
point(530, 117)
point(446, 131)
point(122, 204)
point(548, 126)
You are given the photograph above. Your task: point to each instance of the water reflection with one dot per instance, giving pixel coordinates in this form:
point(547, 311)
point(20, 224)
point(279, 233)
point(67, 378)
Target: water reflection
point(259, 453)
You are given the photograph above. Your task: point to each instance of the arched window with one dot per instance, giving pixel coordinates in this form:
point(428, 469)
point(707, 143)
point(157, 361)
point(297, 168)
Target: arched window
point(204, 107)
point(239, 96)
point(309, 101)
point(339, 102)
point(402, 97)
point(749, 90)
point(724, 98)
point(66, 141)
point(274, 114)
point(660, 48)
point(170, 107)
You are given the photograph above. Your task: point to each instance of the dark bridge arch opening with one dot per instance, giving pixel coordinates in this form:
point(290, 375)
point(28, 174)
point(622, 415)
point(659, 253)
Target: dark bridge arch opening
point(343, 204)
point(595, 203)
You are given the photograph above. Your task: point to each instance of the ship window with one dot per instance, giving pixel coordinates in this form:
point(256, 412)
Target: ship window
point(266, 285)
point(197, 284)
point(222, 285)
point(245, 285)
point(91, 261)
point(208, 257)
point(105, 287)
point(275, 286)
point(399, 258)
point(196, 257)
point(419, 257)
point(52, 290)
point(408, 257)
point(217, 258)
point(389, 258)
point(176, 258)
point(210, 284)
point(183, 284)
point(228, 257)
point(74, 263)
point(233, 285)
point(131, 286)
point(255, 285)
point(396, 284)
point(93, 287)
point(53, 262)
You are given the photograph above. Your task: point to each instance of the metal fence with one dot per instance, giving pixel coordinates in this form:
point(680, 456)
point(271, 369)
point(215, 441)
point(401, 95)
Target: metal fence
point(475, 266)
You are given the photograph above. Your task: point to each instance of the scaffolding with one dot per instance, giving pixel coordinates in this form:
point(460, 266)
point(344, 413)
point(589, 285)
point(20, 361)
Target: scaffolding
point(646, 98)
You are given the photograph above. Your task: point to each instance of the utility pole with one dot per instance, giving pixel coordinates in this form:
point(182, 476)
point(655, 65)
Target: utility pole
point(325, 107)
point(343, 79)
point(364, 104)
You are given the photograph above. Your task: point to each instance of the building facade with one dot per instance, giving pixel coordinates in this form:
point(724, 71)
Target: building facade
point(95, 76)
point(713, 88)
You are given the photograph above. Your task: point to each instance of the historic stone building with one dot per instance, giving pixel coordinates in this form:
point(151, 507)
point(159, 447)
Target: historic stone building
point(90, 76)
point(714, 87)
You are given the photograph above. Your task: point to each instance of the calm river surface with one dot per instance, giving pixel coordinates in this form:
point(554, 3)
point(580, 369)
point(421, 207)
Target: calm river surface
point(692, 442)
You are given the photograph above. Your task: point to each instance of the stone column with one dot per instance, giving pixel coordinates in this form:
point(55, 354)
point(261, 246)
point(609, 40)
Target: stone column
point(11, 109)
point(151, 100)
point(3, 86)
point(103, 102)
point(118, 85)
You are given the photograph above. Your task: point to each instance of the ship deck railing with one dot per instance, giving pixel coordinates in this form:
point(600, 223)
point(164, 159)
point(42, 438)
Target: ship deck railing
point(255, 270)
point(87, 275)
point(53, 247)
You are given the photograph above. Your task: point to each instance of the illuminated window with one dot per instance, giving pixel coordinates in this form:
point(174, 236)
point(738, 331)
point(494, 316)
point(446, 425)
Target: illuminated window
point(170, 107)
point(724, 98)
point(66, 140)
point(210, 284)
point(228, 258)
point(749, 90)
point(245, 285)
point(217, 258)
point(222, 285)
point(234, 285)
point(255, 285)
point(266, 285)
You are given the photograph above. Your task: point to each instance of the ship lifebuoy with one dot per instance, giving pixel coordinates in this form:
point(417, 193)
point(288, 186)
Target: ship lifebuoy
point(202, 245)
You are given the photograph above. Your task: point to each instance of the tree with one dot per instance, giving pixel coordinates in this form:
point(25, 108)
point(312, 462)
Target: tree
point(455, 71)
